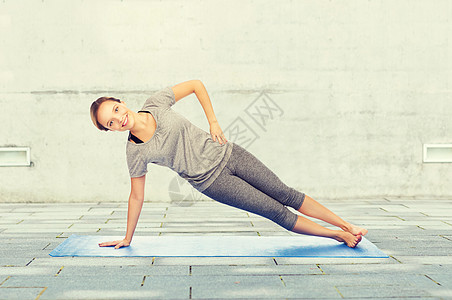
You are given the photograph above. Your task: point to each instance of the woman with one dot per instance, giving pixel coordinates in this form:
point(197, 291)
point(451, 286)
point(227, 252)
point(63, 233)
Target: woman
point(221, 170)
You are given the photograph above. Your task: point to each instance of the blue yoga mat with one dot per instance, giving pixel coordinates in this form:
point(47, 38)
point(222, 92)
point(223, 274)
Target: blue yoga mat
point(217, 246)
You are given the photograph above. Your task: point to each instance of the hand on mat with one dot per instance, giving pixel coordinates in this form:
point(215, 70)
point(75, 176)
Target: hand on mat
point(216, 133)
point(117, 244)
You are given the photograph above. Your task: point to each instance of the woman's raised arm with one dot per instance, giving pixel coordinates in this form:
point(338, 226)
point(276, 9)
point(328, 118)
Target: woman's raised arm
point(186, 88)
point(136, 200)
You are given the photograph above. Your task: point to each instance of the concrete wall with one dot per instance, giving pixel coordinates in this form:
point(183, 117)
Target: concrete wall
point(351, 90)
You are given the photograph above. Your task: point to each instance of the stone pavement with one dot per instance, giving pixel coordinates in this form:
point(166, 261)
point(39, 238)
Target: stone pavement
point(417, 234)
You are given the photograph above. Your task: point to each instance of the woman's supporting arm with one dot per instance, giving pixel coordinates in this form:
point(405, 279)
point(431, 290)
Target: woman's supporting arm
point(133, 214)
point(136, 200)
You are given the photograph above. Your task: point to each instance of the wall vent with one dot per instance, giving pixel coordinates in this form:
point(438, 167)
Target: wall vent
point(438, 153)
point(14, 156)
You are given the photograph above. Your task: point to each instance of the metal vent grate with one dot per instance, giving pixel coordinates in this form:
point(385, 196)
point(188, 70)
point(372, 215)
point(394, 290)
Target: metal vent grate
point(438, 153)
point(14, 156)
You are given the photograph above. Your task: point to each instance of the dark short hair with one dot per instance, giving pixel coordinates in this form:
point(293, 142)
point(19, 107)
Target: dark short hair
point(95, 107)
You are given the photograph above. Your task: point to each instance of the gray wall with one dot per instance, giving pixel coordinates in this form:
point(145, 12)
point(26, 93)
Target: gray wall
point(355, 88)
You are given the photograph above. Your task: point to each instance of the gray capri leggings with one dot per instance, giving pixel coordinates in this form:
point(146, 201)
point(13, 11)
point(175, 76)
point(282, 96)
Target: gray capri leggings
point(246, 183)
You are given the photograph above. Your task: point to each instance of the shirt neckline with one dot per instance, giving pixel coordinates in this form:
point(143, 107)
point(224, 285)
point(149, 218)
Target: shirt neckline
point(155, 131)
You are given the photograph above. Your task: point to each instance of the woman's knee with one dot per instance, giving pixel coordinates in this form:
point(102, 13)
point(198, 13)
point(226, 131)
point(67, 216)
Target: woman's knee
point(285, 218)
point(291, 197)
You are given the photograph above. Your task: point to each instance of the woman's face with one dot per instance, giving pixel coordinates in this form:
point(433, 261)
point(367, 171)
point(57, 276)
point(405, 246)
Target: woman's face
point(115, 116)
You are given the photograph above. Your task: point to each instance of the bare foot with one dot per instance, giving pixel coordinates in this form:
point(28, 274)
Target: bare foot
point(348, 238)
point(355, 230)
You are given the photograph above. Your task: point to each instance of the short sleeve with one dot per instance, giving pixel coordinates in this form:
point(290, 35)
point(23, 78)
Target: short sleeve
point(138, 170)
point(164, 98)
point(136, 164)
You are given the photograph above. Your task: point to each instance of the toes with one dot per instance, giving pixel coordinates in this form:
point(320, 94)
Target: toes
point(355, 241)
point(359, 238)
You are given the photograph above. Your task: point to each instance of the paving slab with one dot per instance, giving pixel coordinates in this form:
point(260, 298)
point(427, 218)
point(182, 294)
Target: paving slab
point(146, 270)
point(206, 224)
point(28, 270)
point(359, 280)
point(345, 269)
point(101, 294)
point(419, 244)
point(232, 261)
point(443, 279)
point(226, 233)
point(441, 292)
point(383, 291)
point(418, 251)
point(416, 239)
point(12, 254)
point(16, 216)
point(400, 298)
point(254, 270)
point(425, 260)
point(325, 260)
point(114, 281)
point(92, 261)
point(21, 293)
point(238, 287)
point(275, 233)
point(79, 290)
point(15, 261)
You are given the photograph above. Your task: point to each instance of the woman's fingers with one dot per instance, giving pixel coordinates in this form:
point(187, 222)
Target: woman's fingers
point(107, 244)
point(217, 133)
point(123, 243)
point(220, 138)
point(117, 244)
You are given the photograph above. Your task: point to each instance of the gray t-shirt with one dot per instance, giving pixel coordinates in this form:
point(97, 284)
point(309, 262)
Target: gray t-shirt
point(177, 144)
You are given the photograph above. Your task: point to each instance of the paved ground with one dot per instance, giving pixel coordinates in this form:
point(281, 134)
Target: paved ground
point(417, 234)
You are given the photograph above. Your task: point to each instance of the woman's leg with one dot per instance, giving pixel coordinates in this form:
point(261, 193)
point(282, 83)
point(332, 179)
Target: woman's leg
point(246, 166)
point(306, 226)
point(234, 191)
point(237, 186)
point(316, 210)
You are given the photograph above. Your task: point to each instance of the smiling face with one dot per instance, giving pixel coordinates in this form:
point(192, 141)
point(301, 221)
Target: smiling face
point(115, 116)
